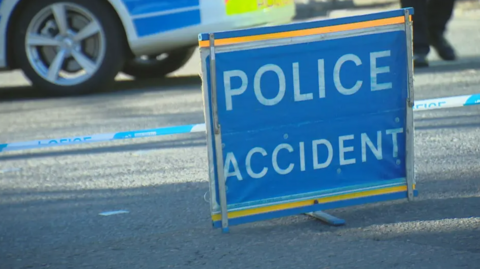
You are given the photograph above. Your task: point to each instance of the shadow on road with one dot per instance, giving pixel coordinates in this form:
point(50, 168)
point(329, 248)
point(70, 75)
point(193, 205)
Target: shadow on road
point(454, 121)
point(462, 64)
point(168, 83)
point(193, 83)
point(123, 86)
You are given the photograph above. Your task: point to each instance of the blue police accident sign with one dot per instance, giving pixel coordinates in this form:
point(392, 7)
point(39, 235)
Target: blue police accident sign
point(308, 116)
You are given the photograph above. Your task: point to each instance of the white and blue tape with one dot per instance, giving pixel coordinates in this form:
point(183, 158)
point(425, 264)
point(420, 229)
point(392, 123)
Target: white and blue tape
point(194, 128)
point(447, 102)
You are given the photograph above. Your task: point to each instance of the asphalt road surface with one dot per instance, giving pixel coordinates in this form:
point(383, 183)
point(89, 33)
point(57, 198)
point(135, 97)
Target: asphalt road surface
point(50, 199)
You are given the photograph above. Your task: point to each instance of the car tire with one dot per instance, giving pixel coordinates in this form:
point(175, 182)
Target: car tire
point(158, 66)
point(57, 37)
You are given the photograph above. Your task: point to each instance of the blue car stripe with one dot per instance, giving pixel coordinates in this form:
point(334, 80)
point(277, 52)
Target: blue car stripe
point(142, 7)
point(157, 24)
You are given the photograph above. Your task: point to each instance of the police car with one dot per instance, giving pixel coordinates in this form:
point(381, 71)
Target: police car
point(68, 47)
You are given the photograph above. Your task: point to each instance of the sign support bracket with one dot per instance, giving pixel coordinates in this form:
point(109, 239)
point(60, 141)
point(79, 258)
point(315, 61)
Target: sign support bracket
point(326, 218)
point(218, 138)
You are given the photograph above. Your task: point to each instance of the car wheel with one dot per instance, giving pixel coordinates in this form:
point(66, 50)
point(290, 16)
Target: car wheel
point(64, 47)
point(158, 65)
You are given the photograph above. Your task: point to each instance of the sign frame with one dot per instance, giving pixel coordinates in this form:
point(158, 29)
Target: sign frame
point(209, 43)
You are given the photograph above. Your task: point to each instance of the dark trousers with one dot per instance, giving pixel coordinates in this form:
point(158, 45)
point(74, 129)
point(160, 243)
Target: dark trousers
point(429, 21)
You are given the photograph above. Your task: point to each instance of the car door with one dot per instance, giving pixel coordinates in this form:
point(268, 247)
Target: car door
point(162, 25)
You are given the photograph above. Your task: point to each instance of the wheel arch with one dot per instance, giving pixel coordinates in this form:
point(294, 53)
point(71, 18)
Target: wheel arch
point(14, 8)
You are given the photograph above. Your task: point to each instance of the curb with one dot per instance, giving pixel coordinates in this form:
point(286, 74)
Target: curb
point(306, 9)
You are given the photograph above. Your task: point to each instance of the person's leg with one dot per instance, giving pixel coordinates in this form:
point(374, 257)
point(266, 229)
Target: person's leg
point(439, 13)
point(421, 45)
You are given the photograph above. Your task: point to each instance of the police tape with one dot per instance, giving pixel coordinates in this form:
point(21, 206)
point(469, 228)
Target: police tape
point(446, 102)
point(194, 128)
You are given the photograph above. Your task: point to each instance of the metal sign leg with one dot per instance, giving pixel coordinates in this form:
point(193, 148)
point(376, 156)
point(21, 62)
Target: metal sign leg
point(409, 116)
point(218, 139)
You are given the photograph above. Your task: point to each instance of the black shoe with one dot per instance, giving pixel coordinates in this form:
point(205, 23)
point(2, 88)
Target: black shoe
point(443, 48)
point(420, 60)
